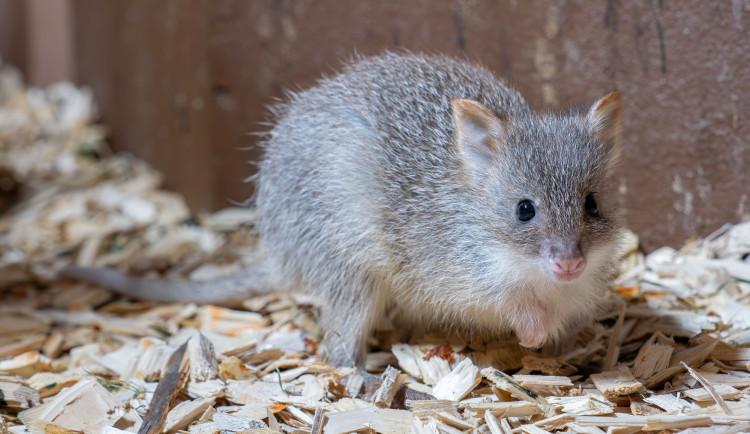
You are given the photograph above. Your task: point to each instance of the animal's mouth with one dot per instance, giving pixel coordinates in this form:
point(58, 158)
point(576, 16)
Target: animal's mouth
point(565, 276)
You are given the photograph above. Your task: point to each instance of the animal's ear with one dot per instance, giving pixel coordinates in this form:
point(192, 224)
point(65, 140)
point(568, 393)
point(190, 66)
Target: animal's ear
point(604, 119)
point(478, 132)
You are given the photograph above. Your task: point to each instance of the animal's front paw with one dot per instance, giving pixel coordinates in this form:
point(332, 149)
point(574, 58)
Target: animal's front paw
point(532, 326)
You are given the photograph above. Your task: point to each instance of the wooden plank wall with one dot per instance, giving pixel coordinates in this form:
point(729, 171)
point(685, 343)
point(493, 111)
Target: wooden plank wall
point(13, 33)
point(37, 37)
point(152, 70)
point(182, 82)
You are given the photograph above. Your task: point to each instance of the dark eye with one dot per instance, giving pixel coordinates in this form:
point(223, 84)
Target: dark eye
point(526, 211)
point(590, 206)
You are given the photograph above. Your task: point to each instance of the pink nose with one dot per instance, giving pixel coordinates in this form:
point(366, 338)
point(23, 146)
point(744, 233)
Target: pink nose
point(567, 268)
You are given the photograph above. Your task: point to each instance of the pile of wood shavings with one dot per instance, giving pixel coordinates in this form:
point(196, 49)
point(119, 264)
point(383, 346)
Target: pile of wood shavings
point(671, 355)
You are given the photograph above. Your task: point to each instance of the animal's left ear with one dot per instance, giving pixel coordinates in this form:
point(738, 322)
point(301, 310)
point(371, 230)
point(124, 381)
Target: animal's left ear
point(604, 119)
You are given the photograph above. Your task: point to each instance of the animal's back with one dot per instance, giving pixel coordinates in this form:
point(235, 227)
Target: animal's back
point(359, 169)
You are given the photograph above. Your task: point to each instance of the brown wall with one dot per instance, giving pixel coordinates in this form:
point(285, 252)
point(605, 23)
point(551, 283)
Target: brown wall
point(50, 56)
point(181, 82)
point(13, 32)
point(37, 37)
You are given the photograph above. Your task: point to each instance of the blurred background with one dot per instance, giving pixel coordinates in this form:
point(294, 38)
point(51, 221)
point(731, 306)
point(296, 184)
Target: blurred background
point(181, 83)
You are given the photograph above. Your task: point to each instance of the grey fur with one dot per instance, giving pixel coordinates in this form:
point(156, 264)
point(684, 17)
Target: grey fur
point(366, 198)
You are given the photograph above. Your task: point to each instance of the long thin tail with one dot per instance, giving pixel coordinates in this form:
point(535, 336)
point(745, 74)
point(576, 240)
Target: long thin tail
point(254, 280)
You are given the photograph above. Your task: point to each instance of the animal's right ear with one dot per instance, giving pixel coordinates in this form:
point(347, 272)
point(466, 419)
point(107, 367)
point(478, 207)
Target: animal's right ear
point(478, 132)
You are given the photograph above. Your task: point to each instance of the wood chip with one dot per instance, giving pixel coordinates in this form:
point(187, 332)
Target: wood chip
point(429, 408)
point(202, 357)
point(86, 406)
point(149, 360)
point(710, 388)
point(739, 381)
point(229, 322)
point(617, 383)
point(454, 421)
point(17, 397)
point(52, 345)
point(186, 412)
point(29, 343)
point(170, 385)
point(27, 364)
point(412, 360)
point(50, 383)
point(232, 368)
point(726, 392)
point(610, 359)
point(459, 382)
point(670, 403)
point(727, 353)
point(507, 409)
point(531, 429)
point(507, 384)
point(390, 383)
point(662, 376)
point(548, 365)
point(676, 422)
point(382, 420)
point(653, 357)
point(574, 427)
point(588, 405)
point(543, 380)
point(317, 425)
point(493, 424)
point(694, 355)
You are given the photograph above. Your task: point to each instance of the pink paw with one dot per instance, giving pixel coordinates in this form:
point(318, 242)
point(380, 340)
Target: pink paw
point(531, 326)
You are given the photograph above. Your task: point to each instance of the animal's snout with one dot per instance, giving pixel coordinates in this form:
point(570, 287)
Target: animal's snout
point(566, 261)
